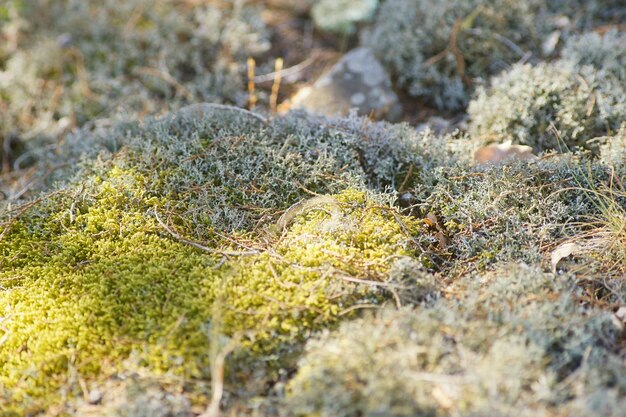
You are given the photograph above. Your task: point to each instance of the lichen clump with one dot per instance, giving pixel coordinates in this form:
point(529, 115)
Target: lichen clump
point(342, 16)
point(561, 105)
point(514, 343)
point(74, 61)
point(526, 103)
point(437, 50)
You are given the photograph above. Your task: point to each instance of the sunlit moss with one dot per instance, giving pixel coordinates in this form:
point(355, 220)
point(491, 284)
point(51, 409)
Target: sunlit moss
point(91, 277)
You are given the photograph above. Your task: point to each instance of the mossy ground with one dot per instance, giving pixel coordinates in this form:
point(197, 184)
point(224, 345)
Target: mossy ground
point(297, 264)
point(98, 274)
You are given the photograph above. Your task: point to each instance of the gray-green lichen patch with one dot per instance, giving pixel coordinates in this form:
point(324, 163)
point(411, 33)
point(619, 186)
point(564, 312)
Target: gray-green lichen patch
point(511, 342)
point(342, 16)
point(438, 52)
point(67, 62)
point(561, 105)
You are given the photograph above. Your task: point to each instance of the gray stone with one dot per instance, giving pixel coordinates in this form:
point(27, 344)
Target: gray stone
point(358, 81)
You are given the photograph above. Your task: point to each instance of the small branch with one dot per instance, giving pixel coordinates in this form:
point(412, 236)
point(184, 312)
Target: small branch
point(276, 86)
point(217, 379)
point(198, 245)
point(406, 178)
point(454, 50)
point(224, 107)
point(287, 71)
point(252, 98)
point(167, 77)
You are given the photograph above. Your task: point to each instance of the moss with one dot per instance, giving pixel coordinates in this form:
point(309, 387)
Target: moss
point(91, 277)
point(83, 294)
point(104, 268)
point(310, 265)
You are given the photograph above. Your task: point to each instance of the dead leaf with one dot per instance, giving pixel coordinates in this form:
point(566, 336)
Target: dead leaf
point(563, 251)
point(502, 152)
point(431, 220)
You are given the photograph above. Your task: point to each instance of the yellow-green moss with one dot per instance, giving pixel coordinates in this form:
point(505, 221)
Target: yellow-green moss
point(83, 291)
point(89, 278)
point(303, 281)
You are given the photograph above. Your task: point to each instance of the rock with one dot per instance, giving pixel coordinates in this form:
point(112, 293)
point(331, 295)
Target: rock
point(502, 153)
point(357, 81)
point(342, 16)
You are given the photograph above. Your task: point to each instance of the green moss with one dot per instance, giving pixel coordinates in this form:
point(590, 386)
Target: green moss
point(90, 278)
point(313, 263)
point(83, 291)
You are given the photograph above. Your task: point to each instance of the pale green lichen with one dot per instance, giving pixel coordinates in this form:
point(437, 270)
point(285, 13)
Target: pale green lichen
point(561, 105)
point(605, 53)
point(545, 106)
point(342, 16)
point(515, 342)
point(440, 51)
point(437, 50)
point(78, 60)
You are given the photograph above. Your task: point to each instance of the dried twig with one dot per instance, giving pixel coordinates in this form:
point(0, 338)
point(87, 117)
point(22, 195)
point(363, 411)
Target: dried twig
point(200, 106)
point(252, 98)
point(198, 245)
point(276, 86)
point(288, 71)
point(454, 50)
